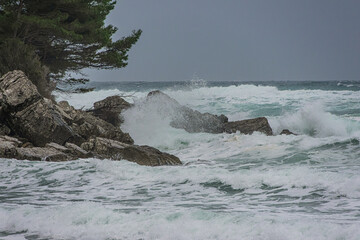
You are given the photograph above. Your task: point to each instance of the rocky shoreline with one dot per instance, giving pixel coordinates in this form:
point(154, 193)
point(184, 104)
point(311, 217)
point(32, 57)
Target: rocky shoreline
point(35, 128)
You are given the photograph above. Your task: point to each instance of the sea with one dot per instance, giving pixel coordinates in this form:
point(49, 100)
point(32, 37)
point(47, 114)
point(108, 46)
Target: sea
point(231, 186)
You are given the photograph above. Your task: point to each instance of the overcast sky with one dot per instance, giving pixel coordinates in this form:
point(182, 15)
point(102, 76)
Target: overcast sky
point(241, 40)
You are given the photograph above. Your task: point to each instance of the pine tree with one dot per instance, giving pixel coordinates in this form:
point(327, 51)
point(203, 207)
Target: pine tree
point(60, 37)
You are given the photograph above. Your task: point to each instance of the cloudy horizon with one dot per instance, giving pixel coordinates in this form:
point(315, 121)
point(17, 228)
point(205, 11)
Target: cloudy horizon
point(242, 40)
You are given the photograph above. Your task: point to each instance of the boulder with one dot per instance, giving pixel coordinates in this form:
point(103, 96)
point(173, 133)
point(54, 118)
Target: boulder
point(186, 118)
point(110, 109)
point(41, 123)
point(193, 121)
point(28, 114)
point(143, 155)
point(249, 126)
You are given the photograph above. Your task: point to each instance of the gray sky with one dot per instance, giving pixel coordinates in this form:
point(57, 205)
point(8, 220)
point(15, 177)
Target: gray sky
point(241, 40)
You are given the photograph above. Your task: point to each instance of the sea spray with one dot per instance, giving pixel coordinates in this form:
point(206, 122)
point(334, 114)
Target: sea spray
point(232, 186)
point(313, 120)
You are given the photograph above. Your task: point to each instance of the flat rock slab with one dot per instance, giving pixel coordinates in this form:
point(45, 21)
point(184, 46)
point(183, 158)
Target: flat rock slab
point(41, 154)
point(143, 155)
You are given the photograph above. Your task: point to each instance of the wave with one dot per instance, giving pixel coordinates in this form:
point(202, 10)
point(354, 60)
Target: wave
point(313, 120)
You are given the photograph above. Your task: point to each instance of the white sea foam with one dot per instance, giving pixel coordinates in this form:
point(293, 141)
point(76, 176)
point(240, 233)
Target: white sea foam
point(231, 186)
point(95, 221)
point(183, 207)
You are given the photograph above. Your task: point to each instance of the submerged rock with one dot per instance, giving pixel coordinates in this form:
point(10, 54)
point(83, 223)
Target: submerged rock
point(287, 132)
point(249, 126)
point(143, 155)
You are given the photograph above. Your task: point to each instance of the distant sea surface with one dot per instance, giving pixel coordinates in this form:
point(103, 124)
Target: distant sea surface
point(231, 186)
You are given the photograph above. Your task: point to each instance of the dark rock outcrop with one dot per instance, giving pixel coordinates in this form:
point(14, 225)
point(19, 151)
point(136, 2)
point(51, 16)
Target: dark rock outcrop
point(186, 118)
point(110, 109)
point(249, 126)
point(194, 121)
point(143, 155)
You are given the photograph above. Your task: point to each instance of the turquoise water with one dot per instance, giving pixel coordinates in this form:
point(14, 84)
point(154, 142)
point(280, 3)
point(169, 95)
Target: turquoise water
point(232, 186)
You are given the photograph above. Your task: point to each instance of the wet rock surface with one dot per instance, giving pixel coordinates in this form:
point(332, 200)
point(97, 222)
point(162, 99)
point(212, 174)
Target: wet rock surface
point(143, 155)
point(186, 118)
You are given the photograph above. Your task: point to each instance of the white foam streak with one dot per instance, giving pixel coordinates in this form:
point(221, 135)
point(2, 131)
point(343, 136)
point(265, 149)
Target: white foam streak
point(313, 120)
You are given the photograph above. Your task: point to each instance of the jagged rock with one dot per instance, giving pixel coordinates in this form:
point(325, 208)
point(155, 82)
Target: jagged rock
point(249, 126)
point(78, 151)
point(29, 115)
point(41, 123)
point(186, 118)
point(143, 155)
point(110, 109)
point(18, 91)
point(87, 125)
point(287, 132)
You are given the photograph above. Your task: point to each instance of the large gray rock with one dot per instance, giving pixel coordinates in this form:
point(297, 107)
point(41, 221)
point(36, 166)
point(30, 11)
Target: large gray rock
point(28, 114)
point(110, 108)
point(194, 121)
point(186, 118)
point(143, 155)
point(249, 126)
